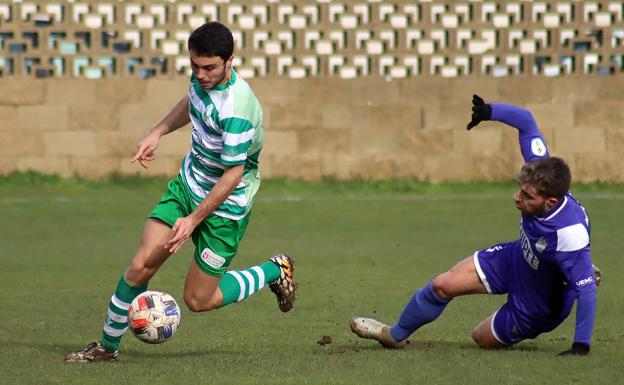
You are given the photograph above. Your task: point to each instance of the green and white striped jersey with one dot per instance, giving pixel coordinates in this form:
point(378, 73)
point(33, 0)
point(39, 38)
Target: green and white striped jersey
point(227, 131)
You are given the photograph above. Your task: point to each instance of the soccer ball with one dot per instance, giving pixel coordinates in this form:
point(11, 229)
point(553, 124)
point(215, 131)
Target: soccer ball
point(153, 317)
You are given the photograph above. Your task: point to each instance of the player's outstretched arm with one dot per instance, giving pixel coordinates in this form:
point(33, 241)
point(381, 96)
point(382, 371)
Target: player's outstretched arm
point(578, 270)
point(176, 118)
point(531, 140)
point(585, 317)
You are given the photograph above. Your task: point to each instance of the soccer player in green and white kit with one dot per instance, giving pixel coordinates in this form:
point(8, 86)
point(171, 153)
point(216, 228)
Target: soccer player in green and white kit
point(209, 201)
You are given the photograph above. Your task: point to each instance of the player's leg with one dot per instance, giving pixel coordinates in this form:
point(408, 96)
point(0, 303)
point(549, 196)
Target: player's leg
point(209, 284)
point(201, 290)
point(150, 256)
point(205, 292)
point(461, 279)
point(506, 327)
point(430, 301)
point(425, 305)
point(483, 335)
point(145, 263)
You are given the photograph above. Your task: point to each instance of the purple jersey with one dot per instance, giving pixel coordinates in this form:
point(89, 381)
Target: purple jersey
point(556, 263)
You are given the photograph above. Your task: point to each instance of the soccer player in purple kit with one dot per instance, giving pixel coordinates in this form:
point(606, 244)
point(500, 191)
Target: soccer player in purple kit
point(542, 272)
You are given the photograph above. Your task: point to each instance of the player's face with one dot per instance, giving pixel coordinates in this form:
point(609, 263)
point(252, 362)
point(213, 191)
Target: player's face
point(530, 202)
point(211, 71)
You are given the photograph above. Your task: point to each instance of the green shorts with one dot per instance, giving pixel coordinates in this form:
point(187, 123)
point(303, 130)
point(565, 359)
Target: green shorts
point(216, 239)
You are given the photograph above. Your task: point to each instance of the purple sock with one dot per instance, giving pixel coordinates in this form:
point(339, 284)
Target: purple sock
point(424, 307)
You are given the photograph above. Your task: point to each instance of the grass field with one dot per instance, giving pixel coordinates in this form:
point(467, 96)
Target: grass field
point(362, 249)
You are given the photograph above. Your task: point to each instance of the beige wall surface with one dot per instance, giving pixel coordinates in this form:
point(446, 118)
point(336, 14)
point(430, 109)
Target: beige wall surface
point(350, 89)
point(369, 128)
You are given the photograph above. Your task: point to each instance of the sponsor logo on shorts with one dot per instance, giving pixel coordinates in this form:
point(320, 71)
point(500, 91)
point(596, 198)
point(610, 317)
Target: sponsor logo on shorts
point(213, 260)
point(585, 281)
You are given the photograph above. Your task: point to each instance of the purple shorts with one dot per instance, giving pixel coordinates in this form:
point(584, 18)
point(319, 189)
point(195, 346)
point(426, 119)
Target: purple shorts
point(495, 268)
point(494, 265)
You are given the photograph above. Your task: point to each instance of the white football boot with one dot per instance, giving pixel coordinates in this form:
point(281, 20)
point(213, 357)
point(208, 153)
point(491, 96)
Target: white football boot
point(372, 329)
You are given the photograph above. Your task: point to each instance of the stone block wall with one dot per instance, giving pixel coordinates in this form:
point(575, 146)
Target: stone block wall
point(369, 128)
point(362, 89)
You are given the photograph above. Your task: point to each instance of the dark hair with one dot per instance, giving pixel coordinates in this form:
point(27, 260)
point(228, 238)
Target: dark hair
point(550, 176)
point(212, 39)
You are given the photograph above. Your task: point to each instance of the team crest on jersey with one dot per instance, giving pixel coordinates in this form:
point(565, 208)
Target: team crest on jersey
point(538, 147)
point(541, 245)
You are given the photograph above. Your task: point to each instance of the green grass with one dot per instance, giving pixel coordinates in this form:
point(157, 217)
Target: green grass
point(362, 249)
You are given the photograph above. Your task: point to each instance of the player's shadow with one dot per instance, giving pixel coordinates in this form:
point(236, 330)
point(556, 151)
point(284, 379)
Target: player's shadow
point(63, 348)
point(428, 345)
point(434, 345)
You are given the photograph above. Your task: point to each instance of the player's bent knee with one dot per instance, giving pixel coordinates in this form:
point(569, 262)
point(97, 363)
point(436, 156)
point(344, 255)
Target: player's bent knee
point(476, 337)
point(485, 340)
point(441, 285)
point(196, 303)
point(192, 303)
point(139, 273)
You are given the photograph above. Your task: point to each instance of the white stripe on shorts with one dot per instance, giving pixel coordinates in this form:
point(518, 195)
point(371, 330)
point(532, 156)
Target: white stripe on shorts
point(494, 331)
point(475, 258)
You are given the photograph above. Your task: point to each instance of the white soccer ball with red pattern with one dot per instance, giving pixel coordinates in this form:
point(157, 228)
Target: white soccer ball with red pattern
point(153, 317)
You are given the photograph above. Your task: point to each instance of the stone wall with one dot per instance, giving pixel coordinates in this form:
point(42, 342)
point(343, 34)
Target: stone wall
point(363, 89)
point(368, 128)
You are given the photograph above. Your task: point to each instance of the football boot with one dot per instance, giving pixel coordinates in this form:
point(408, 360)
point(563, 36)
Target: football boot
point(92, 352)
point(372, 329)
point(284, 287)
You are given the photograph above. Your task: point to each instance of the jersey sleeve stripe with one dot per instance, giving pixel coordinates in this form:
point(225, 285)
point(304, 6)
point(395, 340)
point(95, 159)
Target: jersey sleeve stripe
point(572, 238)
point(236, 150)
point(234, 139)
point(237, 159)
point(236, 125)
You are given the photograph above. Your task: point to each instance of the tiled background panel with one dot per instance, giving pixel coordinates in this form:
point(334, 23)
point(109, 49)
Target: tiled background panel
point(329, 38)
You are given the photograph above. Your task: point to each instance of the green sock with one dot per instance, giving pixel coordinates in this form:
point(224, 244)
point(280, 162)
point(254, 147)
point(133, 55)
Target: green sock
point(238, 285)
point(116, 322)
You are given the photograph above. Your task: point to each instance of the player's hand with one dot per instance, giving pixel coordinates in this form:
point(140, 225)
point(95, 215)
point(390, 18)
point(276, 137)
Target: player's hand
point(182, 230)
point(578, 349)
point(480, 111)
point(146, 148)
